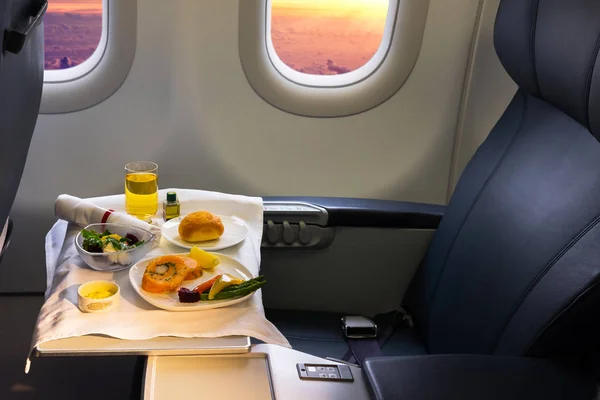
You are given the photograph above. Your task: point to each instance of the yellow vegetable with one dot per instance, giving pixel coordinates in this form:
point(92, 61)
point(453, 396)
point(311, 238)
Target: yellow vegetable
point(204, 259)
point(114, 236)
point(109, 248)
point(224, 281)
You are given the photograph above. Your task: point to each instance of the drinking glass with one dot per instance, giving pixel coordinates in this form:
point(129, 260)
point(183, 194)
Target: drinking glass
point(141, 189)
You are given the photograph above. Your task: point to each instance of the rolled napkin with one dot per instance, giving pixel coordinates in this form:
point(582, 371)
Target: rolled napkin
point(83, 212)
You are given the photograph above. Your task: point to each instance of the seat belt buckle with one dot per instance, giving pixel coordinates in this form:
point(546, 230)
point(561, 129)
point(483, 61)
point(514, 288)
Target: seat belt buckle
point(406, 318)
point(357, 327)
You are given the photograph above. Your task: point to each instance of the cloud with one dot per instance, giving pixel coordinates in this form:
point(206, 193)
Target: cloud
point(70, 40)
point(73, 15)
point(306, 43)
point(60, 63)
point(313, 70)
point(336, 68)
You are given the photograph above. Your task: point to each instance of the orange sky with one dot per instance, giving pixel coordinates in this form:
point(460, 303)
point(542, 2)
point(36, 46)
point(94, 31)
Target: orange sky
point(311, 36)
point(327, 36)
point(332, 8)
point(75, 6)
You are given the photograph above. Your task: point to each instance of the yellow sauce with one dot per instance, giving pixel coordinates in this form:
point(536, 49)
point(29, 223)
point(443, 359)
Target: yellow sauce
point(99, 294)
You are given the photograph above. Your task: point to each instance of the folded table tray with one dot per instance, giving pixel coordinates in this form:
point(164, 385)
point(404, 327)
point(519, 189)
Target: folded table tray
point(161, 346)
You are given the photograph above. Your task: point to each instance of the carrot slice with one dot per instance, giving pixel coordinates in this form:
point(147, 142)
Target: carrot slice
point(203, 287)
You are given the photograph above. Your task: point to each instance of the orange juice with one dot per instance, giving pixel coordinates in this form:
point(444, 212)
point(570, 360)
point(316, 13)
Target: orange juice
point(141, 194)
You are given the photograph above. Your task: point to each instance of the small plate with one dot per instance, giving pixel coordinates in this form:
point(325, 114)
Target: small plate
point(170, 301)
point(235, 232)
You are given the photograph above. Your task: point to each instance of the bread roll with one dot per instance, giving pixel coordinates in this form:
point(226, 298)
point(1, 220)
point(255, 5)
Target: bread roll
point(200, 226)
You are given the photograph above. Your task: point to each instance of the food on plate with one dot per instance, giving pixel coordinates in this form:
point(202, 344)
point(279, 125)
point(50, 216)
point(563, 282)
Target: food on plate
point(204, 259)
point(192, 296)
point(242, 289)
point(224, 281)
point(188, 296)
point(194, 269)
point(200, 226)
point(165, 274)
point(108, 242)
point(201, 292)
point(203, 287)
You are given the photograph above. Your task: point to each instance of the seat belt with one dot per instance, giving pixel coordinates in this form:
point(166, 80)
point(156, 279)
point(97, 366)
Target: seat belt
point(361, 335)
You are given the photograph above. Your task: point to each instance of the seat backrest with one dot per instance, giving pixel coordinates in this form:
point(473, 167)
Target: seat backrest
point(515, 264)
point(21, 79)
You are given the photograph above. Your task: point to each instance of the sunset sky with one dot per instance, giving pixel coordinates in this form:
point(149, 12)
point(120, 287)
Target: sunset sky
point(72, 31)
point(311, 36)
point(327, 36)
point(78, 6)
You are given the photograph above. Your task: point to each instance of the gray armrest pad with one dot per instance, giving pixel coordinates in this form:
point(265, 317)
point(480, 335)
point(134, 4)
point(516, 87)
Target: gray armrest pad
point(374, 213)
point(477, 377)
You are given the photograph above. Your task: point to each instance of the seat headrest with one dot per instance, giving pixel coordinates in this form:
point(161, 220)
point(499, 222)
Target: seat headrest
point(550, 49)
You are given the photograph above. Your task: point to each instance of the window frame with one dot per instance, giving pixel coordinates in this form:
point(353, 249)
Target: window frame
point(98, 77)
point(372, 85)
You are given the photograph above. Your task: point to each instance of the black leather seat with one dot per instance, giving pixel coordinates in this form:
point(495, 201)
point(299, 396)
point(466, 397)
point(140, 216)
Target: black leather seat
point(515, 264)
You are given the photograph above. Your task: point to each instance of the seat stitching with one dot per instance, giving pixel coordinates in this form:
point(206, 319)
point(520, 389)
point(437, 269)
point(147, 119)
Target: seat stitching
point(590, 77)
point(483, 187)
point(561, 313)
point(543, 273)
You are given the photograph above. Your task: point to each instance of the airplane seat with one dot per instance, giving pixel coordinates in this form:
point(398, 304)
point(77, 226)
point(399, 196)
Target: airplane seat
point(513, 267)
point(21, 80)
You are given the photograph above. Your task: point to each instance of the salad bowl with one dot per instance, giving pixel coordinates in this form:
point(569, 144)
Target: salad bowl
point(103, 259)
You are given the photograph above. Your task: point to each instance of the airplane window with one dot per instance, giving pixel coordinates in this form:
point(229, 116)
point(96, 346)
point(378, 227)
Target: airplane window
point(327, 37)
point(72, 32)
point(89, 49)
point(329, 58)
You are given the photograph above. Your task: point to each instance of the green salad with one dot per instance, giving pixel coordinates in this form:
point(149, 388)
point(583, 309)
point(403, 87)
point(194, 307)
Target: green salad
point(108, 242)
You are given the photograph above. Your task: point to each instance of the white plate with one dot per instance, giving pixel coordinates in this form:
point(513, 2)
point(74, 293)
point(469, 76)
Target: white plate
point(170, 301)
point(235, 232)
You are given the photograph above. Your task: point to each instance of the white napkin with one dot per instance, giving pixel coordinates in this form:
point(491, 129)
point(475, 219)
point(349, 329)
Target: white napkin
point(84, 212)
point(136, 319)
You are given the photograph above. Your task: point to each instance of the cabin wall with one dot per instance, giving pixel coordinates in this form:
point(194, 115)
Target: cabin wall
point(187, 105)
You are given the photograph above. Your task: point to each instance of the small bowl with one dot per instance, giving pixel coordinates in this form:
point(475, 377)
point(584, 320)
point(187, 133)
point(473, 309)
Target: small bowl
point(98, 296)
point(118, 260)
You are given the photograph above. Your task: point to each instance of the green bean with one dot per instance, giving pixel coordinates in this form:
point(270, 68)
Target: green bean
point(244, 284)
point(239, 291)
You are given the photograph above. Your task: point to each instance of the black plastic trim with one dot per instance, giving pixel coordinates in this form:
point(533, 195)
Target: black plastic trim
point(475, 377)
point(374, 213)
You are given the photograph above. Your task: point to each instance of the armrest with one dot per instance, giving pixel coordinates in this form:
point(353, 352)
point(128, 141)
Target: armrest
point(374, 213)
point(476, 377)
